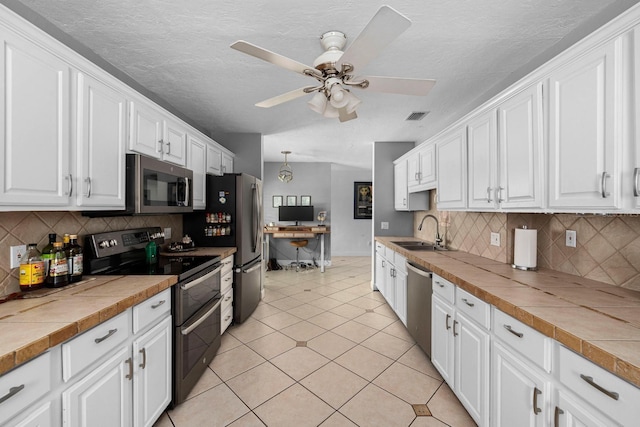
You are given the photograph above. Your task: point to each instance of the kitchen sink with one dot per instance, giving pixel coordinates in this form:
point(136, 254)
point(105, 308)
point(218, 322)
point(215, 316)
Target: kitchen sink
point(419, 245)
point(405, 243)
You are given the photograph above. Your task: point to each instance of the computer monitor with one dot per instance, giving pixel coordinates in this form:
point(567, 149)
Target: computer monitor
point(295, 213)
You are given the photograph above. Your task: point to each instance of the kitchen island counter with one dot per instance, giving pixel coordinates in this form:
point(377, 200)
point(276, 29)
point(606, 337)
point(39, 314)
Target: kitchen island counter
point(595, 319)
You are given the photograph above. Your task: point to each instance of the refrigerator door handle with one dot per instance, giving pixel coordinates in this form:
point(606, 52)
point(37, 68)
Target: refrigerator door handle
point(252, 269)
point(256, 217)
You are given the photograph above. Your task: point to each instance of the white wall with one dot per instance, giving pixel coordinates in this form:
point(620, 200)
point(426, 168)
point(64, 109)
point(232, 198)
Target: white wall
point(350, 237)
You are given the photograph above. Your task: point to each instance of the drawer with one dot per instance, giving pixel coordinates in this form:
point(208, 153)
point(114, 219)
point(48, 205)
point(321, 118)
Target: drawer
point(86, 349)
point(227, 265)
point(444, 288)
point(227, 300)
point(474, 308)
point(381, 249)
point(599, 388)
point(226, 282)
point(24, 385)
point(148, 312)
point(523, 339)
point(226, 319)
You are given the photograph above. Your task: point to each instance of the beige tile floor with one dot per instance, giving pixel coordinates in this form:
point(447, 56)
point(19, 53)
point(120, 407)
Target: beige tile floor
point(321, 349)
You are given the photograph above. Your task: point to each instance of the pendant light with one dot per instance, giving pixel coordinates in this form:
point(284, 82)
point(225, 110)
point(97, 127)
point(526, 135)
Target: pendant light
point(286, 173)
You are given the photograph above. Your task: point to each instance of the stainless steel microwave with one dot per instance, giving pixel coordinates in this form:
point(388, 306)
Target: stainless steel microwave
point(156, 187)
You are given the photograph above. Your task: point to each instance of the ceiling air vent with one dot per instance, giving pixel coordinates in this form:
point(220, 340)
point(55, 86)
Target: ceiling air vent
point(417, 115)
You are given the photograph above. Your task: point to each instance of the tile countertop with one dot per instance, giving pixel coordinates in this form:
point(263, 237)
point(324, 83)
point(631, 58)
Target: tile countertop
point(30, 326)
point(597, 320)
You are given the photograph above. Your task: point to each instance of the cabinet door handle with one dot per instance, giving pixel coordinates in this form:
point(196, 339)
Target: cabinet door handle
point(129, 376)
point(603, 185)
point(536, 392)
point(636, 184)
point(69, 179)
point(168, 147)
point(88, 181)
point(489, 200)
point(144, 358)
point(446, 321)
point(404, 201)
point(499, 194)
point(111, 332)
point(592, 383)
point(12, 392)
point(556, 416)
point(470, 304)
point(160, 146)
point(158, 304)
point(455, 334)
point(508, 328)
point(383, 264)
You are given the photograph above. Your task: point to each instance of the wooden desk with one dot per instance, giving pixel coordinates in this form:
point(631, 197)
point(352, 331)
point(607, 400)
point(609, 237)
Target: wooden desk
point(297, 232)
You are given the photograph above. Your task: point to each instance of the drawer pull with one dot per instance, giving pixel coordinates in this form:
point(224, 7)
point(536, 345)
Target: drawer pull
point(556, 416)
point(227, 298)
point(446, 322)
point(227, 318)
point(111, 332)
point(518, 334)
point(158, 304)
point(589, 380)
point(455, 334)
point(12, 392)
point(144, 358)
point(536, 392)
point(129, 376)
point(470, 304)
point(227, 279)
point(439, 284)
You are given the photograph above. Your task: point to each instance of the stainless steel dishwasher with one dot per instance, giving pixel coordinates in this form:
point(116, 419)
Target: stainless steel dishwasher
point(419, 290)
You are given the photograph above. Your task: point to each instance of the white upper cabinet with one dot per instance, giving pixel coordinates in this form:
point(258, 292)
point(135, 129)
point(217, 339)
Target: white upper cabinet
point(451, 164)
point(227, 162)
point(156, 134)
point(403, 200)
point(520, 146)
point(35, 126)
point(197, 162)
point(584, 130)
point(421, 169)
point(214, 160)
point(100, 144)
point(631, 183)
point(482, 148)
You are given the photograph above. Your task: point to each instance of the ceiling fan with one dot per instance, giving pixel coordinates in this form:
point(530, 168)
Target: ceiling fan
point(334, 68)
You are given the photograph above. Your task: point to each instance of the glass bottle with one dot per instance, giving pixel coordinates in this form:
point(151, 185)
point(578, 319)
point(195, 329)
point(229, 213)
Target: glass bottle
point(32, 272)
point(58, 268)
point(74, 259)
point(65, 241)
point(47, 252)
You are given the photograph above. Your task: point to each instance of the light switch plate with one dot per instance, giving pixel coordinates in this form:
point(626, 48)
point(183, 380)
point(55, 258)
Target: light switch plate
point(384, 225)
point(570, 238)
point(495, 239)
point(17, 252)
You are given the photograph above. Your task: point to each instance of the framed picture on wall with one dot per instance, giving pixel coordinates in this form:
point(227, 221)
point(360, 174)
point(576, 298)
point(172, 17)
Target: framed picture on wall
point(277, 201)
point(362, 200)
point(305, 200)
point(292, 200)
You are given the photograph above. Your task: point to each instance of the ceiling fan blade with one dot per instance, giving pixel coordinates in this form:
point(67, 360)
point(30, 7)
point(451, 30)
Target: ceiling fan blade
point(343, 116)
point(384, 27)
point(403, 86)
point(272, 57)
point(281, 99)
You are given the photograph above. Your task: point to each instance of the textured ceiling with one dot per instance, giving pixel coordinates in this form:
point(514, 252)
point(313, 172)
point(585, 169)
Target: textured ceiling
point(180, 51)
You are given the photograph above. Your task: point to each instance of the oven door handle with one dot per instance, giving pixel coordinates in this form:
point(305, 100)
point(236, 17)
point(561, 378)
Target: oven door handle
point(197, 323)
point(196, 282)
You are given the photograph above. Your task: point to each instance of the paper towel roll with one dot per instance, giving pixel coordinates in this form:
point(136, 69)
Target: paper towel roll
point(525, 249)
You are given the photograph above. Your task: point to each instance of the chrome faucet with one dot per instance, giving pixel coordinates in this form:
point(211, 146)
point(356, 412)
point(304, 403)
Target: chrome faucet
point(438, 239)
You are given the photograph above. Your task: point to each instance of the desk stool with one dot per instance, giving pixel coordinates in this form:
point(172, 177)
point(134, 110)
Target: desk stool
point(298, 244)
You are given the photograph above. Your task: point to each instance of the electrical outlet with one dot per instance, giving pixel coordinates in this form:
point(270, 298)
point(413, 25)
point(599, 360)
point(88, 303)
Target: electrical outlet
point(495, 239)
point(384, 225)
point(167, 233)
point(17, 252)
point(570, 238)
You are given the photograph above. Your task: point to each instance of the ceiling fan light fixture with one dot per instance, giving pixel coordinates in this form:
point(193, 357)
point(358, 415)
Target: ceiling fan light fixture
point(318, 103)
point(338, 96)
point(353, 102)
point(331, 112)
point(285, 174)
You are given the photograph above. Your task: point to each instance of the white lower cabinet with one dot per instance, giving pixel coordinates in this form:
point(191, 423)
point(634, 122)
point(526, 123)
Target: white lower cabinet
point(41, 416)
point(391, 280)
point(460, 346)
point(226, 293)
point(571, 411)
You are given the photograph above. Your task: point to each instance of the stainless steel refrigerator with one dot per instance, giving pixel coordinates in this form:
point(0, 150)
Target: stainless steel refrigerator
point(233, 218)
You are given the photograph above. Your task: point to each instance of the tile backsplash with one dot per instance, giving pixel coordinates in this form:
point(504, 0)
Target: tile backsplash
point(21, 228)
point(607, 250)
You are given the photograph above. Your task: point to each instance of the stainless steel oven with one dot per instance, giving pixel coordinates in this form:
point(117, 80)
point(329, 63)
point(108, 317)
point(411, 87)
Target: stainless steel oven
point(196, 319)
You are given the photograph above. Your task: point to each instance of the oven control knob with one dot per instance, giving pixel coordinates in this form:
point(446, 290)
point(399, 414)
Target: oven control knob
point(113, 242)
point(104, 244)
